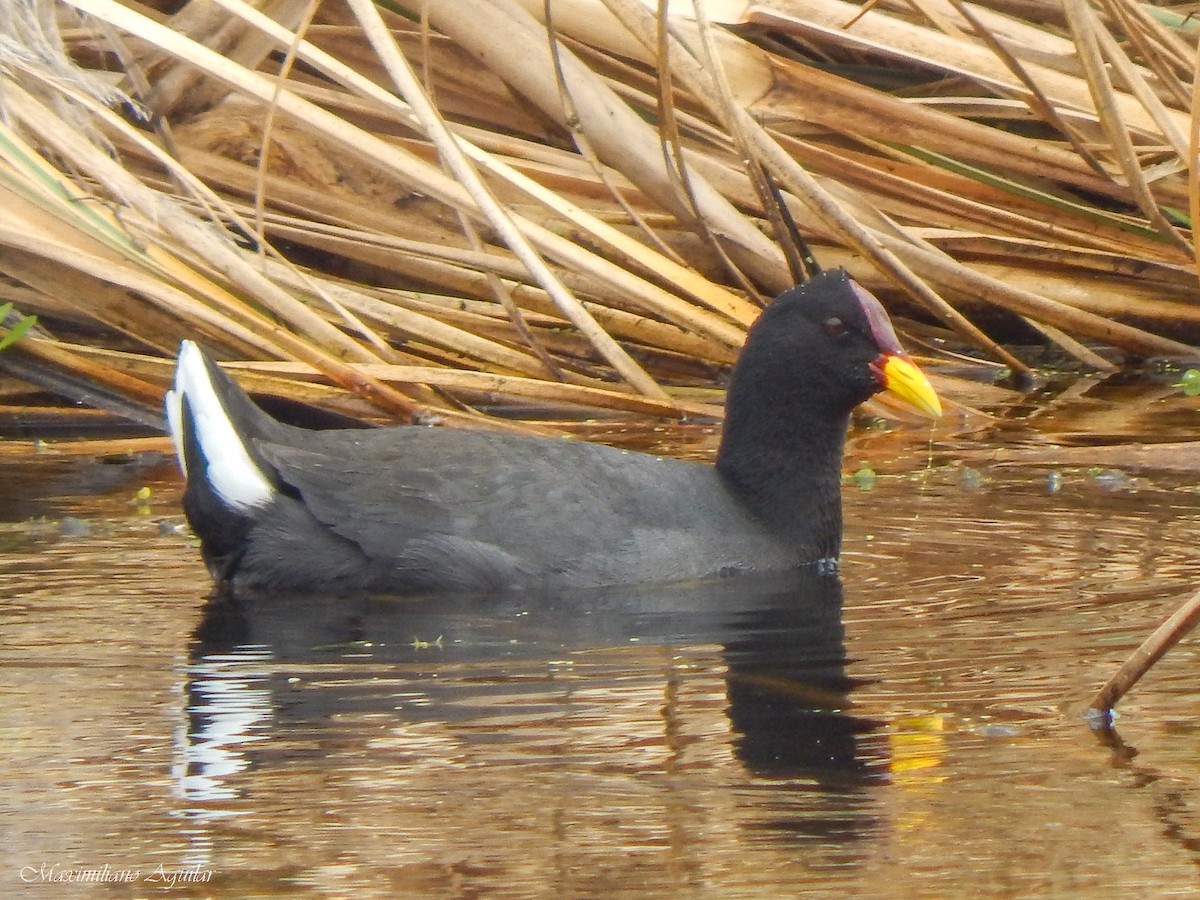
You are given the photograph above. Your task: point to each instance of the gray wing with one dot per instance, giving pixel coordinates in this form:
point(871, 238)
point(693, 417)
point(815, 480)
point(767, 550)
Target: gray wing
point(488, 510)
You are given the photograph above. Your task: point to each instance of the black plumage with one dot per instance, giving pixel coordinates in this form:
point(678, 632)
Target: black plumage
point(414, 509)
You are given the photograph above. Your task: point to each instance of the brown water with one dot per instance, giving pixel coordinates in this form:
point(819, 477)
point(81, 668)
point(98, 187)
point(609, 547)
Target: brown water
point(695, 742)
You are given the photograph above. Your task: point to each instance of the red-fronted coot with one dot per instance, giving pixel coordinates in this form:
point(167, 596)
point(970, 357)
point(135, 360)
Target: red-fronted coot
point(401, 510)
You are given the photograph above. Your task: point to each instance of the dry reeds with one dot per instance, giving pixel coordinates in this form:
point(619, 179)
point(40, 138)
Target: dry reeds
point(447, 204)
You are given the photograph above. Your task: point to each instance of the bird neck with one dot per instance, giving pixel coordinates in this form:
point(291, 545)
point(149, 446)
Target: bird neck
point(787, 472)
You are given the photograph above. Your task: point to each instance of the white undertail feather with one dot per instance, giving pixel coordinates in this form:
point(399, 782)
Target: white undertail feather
point(173, 403)
point(231, 471)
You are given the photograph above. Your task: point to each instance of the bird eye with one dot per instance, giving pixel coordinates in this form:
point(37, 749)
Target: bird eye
point(835, 327)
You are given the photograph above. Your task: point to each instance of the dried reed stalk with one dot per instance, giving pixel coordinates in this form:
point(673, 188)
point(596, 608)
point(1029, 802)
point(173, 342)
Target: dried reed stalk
point(467, 200)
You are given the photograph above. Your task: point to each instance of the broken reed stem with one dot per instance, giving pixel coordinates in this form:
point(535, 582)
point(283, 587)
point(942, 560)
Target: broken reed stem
point(1166, 636)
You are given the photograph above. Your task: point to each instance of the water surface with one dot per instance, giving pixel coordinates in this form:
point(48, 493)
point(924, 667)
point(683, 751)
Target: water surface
point(728, 740)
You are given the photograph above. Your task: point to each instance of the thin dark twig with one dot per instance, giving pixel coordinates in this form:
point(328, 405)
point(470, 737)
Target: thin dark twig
point(1166, 636)
point(673, 155)
point(801, 260)
point(583, 143)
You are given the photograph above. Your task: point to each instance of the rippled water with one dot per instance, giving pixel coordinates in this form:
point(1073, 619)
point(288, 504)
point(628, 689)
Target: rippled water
point(728, 740)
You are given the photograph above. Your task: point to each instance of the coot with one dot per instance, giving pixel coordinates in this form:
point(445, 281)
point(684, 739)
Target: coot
point(406, 510)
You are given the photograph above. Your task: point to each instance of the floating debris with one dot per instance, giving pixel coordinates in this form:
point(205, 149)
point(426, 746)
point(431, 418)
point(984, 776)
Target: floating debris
point(72, 527)
point(865, 477)
point(141, 501)
point(1112, 479)
point(970, 479)
point(1189, 382)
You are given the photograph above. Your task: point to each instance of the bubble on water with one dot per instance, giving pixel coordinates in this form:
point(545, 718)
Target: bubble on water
point(970, 479)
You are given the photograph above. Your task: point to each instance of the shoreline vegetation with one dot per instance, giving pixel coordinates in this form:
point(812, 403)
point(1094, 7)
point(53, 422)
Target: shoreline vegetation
point(462, 212)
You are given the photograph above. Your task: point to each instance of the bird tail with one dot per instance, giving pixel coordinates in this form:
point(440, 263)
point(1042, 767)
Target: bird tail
point(214, 425)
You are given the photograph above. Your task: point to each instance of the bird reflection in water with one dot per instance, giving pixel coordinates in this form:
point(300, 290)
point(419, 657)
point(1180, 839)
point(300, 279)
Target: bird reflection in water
point(459, 661)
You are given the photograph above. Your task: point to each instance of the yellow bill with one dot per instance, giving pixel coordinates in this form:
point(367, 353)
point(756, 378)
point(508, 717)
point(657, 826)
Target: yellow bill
point(902, 378)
